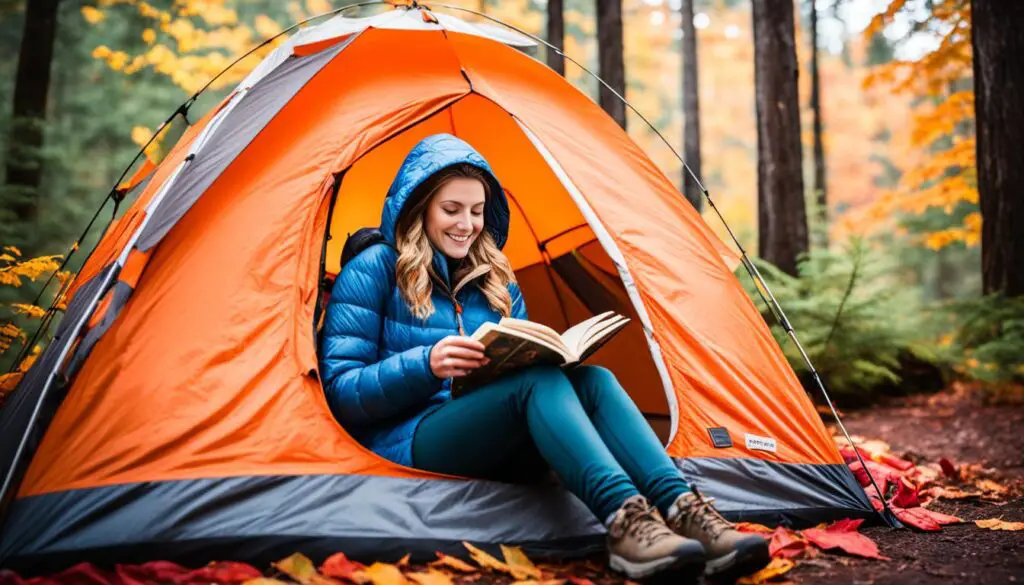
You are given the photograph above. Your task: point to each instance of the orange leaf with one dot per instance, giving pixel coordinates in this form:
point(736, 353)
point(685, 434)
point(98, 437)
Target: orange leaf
point(454, 563)
point(341, 567)
point(753, 528)
point(786, 544)
point(385, 574)
point(997, 524)
point(774, 569)
point(404, 561)
point(843, 535)
point(521, 566)
point(485, 560)
point(430, 577)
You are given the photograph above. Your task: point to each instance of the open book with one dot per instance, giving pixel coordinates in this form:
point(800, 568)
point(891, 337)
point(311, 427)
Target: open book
point(512, 344)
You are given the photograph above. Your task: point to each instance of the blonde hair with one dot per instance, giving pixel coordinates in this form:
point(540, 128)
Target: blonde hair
point(415, 253)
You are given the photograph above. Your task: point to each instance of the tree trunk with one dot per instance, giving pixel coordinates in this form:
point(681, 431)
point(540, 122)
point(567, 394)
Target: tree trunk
point(820, 186)
point(31, 85)
point(691, 106)
point(610, 58)
point(556, 35)
point(781, 214)
point(998, 95)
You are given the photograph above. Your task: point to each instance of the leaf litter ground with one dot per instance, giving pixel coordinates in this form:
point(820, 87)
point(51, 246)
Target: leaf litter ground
point(947, 455)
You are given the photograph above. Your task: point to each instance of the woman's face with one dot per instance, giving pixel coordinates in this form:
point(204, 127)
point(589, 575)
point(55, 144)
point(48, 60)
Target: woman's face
point(455, 216)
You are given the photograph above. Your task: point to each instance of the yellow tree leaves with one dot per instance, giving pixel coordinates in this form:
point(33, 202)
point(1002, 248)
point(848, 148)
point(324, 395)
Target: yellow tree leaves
point(941, 125)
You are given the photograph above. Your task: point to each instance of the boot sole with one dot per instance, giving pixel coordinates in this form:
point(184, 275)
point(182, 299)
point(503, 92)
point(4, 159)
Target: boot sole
point(741, 562)
point(688, 564)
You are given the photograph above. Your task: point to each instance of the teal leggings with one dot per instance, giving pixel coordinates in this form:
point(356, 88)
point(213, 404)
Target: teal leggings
point(580, 423)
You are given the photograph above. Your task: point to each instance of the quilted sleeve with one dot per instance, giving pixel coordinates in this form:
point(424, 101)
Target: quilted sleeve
point(518, 304)
point(360, 388)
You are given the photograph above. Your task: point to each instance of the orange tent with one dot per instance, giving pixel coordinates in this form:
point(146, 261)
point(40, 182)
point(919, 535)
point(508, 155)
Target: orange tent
point(178, 413)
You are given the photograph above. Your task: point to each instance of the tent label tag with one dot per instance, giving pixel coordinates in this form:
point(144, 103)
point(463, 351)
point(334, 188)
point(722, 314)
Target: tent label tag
point(720, 437)
point(756, 443)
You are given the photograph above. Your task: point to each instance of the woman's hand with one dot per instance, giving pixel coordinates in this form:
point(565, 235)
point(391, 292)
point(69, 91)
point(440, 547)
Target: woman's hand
point(455, 356)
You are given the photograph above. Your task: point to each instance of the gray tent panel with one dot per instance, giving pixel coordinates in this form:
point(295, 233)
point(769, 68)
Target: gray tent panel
point(237, 130)
point(368, 517)
point(118, 300)
point(772, 493)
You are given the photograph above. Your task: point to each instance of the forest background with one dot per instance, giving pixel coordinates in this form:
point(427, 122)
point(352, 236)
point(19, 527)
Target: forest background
point(886, 291)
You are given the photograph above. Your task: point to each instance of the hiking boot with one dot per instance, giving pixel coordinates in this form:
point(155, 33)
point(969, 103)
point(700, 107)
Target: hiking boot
point(731, 553)
point(640, 544)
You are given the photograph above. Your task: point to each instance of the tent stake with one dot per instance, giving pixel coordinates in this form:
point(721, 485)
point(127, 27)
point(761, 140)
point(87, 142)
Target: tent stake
point(773, 304)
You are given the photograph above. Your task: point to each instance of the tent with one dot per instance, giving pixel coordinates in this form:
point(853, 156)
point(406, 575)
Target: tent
point(178, 414)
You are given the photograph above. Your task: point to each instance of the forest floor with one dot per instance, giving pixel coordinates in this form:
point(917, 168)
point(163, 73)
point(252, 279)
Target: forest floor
point(984, 442)
point(962, 428)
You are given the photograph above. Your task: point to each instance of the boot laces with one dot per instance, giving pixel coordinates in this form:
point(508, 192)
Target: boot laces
point(707, 517)
point(644, 522)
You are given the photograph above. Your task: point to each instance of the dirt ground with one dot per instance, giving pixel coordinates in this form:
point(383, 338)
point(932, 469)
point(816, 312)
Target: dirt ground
point(963, 429)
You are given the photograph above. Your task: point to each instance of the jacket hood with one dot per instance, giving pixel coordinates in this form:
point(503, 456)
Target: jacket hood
point(433, 154)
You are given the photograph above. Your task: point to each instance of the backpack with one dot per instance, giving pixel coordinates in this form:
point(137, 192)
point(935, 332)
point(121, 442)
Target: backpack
point(362, 239)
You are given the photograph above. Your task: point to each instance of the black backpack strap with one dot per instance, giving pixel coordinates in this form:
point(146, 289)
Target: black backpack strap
point(362, 239)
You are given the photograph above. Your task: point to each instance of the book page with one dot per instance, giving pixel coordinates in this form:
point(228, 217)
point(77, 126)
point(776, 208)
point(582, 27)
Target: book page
point(534, 330)
point(601, 335)
point(575, 337)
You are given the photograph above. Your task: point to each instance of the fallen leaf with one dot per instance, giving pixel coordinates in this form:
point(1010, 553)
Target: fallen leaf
point(580, 581)
point(404, 561)
point(998, 524)
point(454, 563)
point(385, 574)
point(485, 560)
point(553, 582)
point(853, 543)
point(845, 525)
point(990, 486)
point(917, 518)
point(948, 469)
point(774, 569)
point(298, 567)
point(753, 528)
point(341, 567)
point(264, 581)
point(786, 544)
point(521, 566)
point(430, 577)
point(906, 494)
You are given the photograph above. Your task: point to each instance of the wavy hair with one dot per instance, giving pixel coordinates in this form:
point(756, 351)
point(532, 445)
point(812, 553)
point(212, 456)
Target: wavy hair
point(416, 254)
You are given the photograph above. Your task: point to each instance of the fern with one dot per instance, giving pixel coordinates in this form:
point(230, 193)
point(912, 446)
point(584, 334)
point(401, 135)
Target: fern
point(859, 323)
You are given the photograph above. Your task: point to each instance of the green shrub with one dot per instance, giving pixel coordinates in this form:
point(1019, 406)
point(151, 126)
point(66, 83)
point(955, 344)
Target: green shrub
point(990, 338)
point(862, 327)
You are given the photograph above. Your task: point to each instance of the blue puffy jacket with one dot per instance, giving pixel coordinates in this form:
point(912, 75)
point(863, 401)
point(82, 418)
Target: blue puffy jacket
point(375, 355)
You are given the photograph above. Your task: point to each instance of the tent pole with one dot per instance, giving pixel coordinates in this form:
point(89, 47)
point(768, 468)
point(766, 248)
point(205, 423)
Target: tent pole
point(771, 301)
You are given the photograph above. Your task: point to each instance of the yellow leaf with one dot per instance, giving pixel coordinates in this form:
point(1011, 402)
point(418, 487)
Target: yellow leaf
point(774, 569)
point(149, 35)
point(519, 563)
point(266, 26)
point(997, 524)
point(91, 14)
point(404, 561)
point(30, 310)
point(10, 381)
point(101, 52)
point(485, 560)
point(264, 581)
point(13, 250)
point(431, 577)
point(298, 567)
point(450, 562)
point(385, 574)
point(8, 258)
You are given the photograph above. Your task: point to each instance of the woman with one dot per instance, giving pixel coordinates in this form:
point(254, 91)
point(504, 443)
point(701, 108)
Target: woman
point(395, 337)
